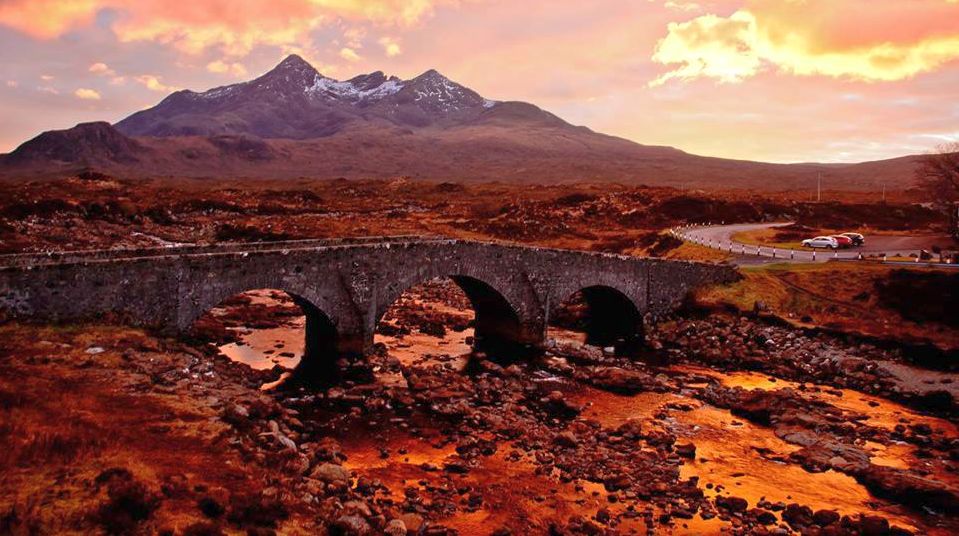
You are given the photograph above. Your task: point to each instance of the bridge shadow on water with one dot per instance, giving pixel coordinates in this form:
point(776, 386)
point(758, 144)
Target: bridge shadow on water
point(604, 317)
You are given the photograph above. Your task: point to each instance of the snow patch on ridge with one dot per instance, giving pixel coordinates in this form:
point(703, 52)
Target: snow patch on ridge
point(440, 90)
point(346, 90)
point(218, 92)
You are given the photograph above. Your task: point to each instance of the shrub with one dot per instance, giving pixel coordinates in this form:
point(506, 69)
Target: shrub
point(128, 502)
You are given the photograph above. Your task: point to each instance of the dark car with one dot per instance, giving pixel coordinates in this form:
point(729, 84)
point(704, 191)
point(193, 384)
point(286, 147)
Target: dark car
point(843, 240)
point(857, 239)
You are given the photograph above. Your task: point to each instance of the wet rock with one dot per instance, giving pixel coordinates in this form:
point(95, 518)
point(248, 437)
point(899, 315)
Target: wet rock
point(490, 367)
point(456, 465)
point(631, 429)
point(285, 441)
point(413, 522)
point(921, 429)
point(798, 515)
point(579, 352)
point(579, 525)
point(433, 329)
point(437, 530)
point(733, 504)
point(238, 416)
point(331, 473)
point(909, 488)
point(557, 405)
point(603, 516)
point(358, 508)
point(395, 527)
point(825, 517)
point(828, 454)
point(616, 482)
point(660, 438)
point(298, 464)
point(685, 450)
point(351, 525)
point(365, 485)
point(327, 450)
point(937, 400)
point(566, 439)
point(873, 525)
point(764, 517)
point(619, 380)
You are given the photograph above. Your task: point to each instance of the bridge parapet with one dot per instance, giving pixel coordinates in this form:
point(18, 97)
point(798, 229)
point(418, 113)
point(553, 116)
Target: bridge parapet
point(58, 257)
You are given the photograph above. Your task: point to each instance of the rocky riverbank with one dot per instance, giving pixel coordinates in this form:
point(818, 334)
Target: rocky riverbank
point(727, 424)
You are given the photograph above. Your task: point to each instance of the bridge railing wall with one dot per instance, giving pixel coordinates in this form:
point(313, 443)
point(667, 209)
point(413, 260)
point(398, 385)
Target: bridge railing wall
point(143, 291)
point(55, 257)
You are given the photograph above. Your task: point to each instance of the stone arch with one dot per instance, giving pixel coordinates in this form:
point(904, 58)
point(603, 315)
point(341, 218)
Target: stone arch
point(323, 340)
point(612, 318)
point(207, 296)
point(498, 321)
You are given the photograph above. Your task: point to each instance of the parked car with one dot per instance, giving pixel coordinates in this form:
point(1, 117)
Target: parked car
point(843, 241)
point(821, 242)
point(857, 239)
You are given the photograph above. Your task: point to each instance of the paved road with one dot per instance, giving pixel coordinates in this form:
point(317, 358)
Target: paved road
point(720, 237)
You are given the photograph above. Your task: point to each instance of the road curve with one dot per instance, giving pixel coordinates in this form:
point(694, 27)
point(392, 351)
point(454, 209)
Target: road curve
point(720, 237)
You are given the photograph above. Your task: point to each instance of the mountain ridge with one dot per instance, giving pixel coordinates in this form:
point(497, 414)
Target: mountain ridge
point(292, 121)
point(294, 100)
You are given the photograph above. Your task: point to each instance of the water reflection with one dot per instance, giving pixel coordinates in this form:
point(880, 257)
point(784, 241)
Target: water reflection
point(263, 348)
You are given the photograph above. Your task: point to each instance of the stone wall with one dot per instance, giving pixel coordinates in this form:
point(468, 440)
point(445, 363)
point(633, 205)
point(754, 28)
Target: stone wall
point(352, 283)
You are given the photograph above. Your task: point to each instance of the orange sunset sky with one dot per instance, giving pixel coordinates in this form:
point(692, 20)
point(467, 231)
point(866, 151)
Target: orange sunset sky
point(784, 81)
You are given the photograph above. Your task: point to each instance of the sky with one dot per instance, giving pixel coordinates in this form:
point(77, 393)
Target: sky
point(771, 80)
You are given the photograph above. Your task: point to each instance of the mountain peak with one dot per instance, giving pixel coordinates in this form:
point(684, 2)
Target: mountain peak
point(293, 61)
point(437, 93)
point(292, 68)
point(431, 74)
point(86, 143)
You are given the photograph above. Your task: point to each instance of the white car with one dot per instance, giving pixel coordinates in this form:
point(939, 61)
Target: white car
point(821, 242)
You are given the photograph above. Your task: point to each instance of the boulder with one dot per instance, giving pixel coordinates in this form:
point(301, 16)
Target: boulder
point(395, 527)
point(351, 526)
point(331, 473)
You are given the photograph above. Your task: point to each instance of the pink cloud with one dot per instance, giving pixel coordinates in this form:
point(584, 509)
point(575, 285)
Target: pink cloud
point(87, 94)
point(832, 93)
point(192, 27)
point(813, 38)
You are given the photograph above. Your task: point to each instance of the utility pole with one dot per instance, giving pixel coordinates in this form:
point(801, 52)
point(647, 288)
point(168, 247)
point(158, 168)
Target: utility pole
point(884, 193)
point(819, 188)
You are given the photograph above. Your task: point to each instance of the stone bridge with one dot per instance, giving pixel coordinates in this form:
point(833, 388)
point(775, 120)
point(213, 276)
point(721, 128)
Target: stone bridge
point(344, 286)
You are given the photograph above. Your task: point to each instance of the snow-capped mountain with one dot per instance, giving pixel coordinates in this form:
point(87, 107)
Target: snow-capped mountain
point(295, 101)
point(294, 122)
point(362, 90)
